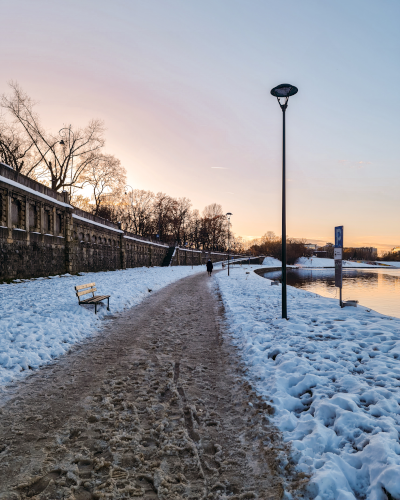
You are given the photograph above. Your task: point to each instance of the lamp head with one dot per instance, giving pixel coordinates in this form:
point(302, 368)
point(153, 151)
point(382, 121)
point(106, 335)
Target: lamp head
point(284, 90)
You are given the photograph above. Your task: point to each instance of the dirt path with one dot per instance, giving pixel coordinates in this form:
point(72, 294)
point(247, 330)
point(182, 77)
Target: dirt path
point(153, 407)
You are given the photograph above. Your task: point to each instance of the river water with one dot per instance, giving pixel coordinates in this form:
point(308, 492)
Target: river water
point(378, 289)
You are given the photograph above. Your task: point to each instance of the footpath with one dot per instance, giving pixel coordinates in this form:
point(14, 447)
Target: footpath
point(154, 406)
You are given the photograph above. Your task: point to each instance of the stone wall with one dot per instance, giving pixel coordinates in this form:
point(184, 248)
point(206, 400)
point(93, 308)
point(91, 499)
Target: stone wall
point(33, 220)
point(41, 234)
point(184, 257)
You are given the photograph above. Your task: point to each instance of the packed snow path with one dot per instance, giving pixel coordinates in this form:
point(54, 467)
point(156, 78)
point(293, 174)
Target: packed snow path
point(153, 406)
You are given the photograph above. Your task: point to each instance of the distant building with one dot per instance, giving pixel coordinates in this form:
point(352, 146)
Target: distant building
point(320, 253)
point(311, 246)
point(362, 253)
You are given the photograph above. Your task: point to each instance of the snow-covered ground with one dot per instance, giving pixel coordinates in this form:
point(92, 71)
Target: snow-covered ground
point(384, 263)
point(320, 262)
point(333, 377)
point(40, 319)
point(271, 262)
point(314, 262)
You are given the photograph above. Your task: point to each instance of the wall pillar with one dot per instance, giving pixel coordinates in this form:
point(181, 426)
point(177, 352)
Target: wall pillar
point(27, 205)
point(69, 242)
point(9, 218)
point(53, 228)
point(122, 245)
point(41, 216)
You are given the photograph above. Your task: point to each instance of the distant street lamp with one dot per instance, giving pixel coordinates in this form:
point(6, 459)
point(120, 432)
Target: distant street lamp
point(284, 91)
point(228, 215)
point(126, 194)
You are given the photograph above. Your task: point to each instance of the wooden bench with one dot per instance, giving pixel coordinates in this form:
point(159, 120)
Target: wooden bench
point(95, 299)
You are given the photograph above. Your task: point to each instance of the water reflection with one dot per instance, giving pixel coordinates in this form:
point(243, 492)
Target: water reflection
point(378, 289)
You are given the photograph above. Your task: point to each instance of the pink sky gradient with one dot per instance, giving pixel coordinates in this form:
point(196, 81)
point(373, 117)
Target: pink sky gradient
point(183, 88)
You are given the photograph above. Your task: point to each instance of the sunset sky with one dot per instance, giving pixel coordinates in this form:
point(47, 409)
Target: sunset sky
point(184, 89)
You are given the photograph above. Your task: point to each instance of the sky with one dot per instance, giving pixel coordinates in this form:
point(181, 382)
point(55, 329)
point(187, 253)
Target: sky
point(183, 87)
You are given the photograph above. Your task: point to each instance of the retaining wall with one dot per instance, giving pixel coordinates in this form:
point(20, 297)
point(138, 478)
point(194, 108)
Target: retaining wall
point(41, 234)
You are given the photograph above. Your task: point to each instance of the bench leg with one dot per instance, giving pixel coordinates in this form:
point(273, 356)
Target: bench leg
point(95, 307)
point(108, 304)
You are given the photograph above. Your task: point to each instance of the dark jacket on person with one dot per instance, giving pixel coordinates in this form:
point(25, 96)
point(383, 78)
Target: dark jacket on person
point(209, 266)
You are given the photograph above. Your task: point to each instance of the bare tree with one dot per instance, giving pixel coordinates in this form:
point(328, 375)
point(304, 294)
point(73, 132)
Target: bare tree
point(138, 214)
point(82, 202)
point(214, 227)
point(61, 158)
point(15, 149)
point(107, 178)
point(180, 217)
point(162, 215)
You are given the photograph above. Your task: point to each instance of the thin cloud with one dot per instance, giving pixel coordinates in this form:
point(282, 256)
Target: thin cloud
point(354, 164)
point(221, 168)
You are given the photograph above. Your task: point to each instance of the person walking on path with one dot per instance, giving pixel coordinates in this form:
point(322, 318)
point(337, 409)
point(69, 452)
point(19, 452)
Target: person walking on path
point(209, 267)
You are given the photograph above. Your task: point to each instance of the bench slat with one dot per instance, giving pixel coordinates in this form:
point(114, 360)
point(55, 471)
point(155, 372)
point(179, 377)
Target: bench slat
point(79, 287)
point(92, 300)
point(92, 290)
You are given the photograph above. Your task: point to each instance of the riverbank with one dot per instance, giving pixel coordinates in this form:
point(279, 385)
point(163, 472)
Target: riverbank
point(332, 376)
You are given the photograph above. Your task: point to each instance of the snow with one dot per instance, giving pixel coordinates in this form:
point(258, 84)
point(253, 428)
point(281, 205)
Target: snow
point(386, 263)
point(321, 262)
point(272, 262)
point(313, 262)
point(41, 319)
point(333, 378)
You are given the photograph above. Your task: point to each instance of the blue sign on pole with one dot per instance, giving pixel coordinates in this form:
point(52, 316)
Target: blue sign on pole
point(339, 236)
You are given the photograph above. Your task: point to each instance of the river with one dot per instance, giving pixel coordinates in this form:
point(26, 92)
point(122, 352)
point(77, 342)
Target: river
point(377, 289)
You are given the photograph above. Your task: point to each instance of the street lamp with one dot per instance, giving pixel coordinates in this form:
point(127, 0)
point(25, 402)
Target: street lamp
point(228, 215)
point(63, 134)
point(284, 91)
point(126, 194)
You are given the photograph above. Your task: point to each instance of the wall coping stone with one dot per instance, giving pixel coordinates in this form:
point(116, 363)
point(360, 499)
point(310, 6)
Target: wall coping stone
point(32, 191)
point(96, 223)
point(145, 241)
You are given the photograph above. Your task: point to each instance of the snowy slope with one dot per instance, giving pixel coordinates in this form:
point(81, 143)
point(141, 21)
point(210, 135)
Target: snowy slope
point(386, 263)
point(333, 376)
point(40, 319)
point(272, 262)
point(320, 262)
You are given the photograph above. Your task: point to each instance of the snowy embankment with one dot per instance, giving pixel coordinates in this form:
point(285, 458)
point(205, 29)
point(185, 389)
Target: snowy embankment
point(385, 263)
point(333, 377)
point(313, 262)
point(272, 262)
point(40, 319)
point(321, 262)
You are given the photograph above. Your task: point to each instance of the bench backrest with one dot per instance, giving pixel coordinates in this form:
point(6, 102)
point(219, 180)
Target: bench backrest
point(80, 289)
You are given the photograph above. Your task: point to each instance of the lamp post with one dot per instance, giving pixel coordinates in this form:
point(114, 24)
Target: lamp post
point(126, 193)
point(63, 134)
point(228, 215)
point(284, 91)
